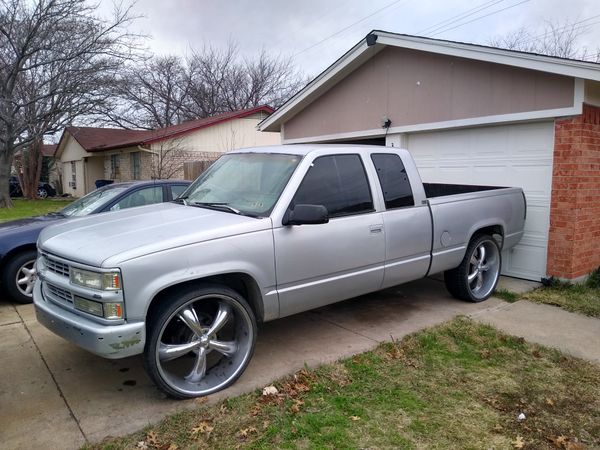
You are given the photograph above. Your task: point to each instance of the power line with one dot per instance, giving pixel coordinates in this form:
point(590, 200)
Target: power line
point(457, 17)
point(479, 18)
point(347, 27)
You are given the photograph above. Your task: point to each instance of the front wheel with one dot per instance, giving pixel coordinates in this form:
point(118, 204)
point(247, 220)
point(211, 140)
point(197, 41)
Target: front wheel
point(199, 341)
point(18, 276)
point(477, 275)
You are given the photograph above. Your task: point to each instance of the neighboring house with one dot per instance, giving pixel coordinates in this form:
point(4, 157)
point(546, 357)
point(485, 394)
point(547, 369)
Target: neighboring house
point(88, 154)
point(475, 115)
point(50, 173)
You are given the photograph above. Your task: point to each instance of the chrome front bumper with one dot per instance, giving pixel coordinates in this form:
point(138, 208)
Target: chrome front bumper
point(109, 341)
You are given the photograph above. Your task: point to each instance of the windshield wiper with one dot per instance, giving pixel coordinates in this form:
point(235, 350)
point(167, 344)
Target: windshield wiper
point(218, 206)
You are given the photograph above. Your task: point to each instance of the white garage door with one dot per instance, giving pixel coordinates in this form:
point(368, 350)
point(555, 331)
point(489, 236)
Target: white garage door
point(506, 155)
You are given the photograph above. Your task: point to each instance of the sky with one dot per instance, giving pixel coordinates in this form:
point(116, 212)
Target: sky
point(315, 33)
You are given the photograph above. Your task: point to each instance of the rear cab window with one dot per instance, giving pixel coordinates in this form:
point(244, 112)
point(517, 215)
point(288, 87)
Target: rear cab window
point(338, 182)
point(394, 181)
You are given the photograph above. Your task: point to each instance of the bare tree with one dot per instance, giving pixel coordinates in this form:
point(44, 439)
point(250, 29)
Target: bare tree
point(168, 90)
point(153, 94)
point(56, 61)
point(559, 39)
point(167, 159)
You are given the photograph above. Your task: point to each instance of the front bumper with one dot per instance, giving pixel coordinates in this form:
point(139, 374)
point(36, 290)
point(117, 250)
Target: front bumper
point(108, 341)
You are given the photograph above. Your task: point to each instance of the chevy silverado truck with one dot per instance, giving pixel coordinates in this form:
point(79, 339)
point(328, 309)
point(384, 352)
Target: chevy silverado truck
point(262, 234)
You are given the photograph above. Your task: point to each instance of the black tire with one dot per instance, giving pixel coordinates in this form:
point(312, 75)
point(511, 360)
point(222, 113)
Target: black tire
point(9, 276)
point(166, 324)
point(457, 280)
point(42, 192)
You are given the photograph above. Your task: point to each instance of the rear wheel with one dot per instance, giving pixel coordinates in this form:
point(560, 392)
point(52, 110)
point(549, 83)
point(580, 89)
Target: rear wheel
point(19, 275)
point(477, 275)
point(199, 341)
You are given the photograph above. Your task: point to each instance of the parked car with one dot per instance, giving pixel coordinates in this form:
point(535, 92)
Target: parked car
point(44, 189)
point(263, 233)
point(18, 237)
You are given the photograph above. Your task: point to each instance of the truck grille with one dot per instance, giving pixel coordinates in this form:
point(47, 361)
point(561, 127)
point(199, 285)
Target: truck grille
point(55, 266)
point(59, 293)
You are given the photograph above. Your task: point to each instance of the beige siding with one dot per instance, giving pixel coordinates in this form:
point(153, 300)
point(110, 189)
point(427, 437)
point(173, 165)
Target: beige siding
point(230, 135)
point(94, 170)
point(412, 87)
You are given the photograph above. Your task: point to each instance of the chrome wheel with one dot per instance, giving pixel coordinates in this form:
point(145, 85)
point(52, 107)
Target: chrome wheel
point(42, 193)
point(204, 345)
point(484, 269)
point(25, 278)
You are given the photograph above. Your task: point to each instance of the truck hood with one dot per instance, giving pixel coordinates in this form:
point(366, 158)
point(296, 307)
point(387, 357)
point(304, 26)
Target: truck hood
point(108, 239)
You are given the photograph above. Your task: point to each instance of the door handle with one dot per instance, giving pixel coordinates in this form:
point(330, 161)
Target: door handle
point(376, 228)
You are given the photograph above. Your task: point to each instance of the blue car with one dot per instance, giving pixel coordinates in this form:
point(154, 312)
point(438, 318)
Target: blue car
point(18, 238)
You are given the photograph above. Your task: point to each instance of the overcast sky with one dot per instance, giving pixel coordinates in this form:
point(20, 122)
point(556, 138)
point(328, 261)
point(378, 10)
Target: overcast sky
point(301, 28)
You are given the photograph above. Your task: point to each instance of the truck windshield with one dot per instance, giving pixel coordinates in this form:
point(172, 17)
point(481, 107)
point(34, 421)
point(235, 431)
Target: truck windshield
point(250, 183)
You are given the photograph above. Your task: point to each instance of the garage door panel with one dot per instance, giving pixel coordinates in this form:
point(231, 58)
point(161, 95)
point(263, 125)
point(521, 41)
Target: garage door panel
point(508, 155)
point(523, 261)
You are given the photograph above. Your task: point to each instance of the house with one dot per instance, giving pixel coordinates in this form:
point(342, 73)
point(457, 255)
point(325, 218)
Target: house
point(476, 115)
point(88, 154)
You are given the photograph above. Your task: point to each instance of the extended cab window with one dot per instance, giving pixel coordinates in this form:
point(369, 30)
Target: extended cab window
point(339, 183)
point(397, 192)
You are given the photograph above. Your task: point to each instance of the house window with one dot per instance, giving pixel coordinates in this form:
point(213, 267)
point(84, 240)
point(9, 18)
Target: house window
point(115, 171)
point(135, 165)
point(73, 182)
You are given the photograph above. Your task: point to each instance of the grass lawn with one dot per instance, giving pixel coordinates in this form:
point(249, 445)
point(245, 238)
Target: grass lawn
point(580, 298)
point(459, 385)
point(28, 208)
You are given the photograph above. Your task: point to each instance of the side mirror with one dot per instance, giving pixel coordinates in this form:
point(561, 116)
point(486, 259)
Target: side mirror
point(306, 215)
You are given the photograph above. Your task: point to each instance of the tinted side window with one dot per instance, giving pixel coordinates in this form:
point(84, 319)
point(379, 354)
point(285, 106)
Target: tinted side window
point(141, 197)
point(394, 181)
point(337, 182)
point(177, 190)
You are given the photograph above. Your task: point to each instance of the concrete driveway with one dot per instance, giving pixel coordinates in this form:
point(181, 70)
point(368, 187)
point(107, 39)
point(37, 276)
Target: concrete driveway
point(54, 395)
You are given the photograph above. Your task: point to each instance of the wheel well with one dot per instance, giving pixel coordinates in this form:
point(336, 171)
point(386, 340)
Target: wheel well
point(16, 251)
point(496, 231)
point(242, 283)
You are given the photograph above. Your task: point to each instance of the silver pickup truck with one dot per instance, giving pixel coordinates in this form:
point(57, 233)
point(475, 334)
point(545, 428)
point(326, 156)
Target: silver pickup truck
point(263, 233)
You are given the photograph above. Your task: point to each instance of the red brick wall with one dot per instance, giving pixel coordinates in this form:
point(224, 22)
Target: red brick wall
point(574, 241)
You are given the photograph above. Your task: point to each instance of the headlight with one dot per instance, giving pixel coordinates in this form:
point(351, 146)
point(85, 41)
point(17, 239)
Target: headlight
point(105, 281)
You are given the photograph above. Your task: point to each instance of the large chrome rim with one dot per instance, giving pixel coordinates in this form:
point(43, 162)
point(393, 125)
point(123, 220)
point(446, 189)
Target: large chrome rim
point(42, 193)
point(25, 278)
point(204, 345)
point(484, 268)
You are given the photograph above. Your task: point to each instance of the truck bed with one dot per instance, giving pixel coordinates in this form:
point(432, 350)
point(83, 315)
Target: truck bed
point(441, 189)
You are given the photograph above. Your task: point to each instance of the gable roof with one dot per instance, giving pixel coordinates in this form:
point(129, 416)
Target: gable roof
point(377, 40)
point(97, 139)
point(48, 149)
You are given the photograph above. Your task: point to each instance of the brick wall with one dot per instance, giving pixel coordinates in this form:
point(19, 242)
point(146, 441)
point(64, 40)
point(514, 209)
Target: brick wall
point(574, 241)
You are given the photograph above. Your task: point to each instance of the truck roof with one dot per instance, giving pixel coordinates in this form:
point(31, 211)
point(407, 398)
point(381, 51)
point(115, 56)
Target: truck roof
point(305, 149)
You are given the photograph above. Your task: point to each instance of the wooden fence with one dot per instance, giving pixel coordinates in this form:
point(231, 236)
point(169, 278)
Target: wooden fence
point(192, 169)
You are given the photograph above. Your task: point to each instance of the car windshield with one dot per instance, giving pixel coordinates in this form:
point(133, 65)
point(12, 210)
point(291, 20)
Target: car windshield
point(91, 202)
point(244, 183)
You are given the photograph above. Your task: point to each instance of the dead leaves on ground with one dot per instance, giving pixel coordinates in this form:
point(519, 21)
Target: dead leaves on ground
point(566, 442)
point(204, 427)
point(152, 442)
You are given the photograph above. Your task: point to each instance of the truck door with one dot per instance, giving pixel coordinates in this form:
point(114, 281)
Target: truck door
point(407, 225)
point(324, 263)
